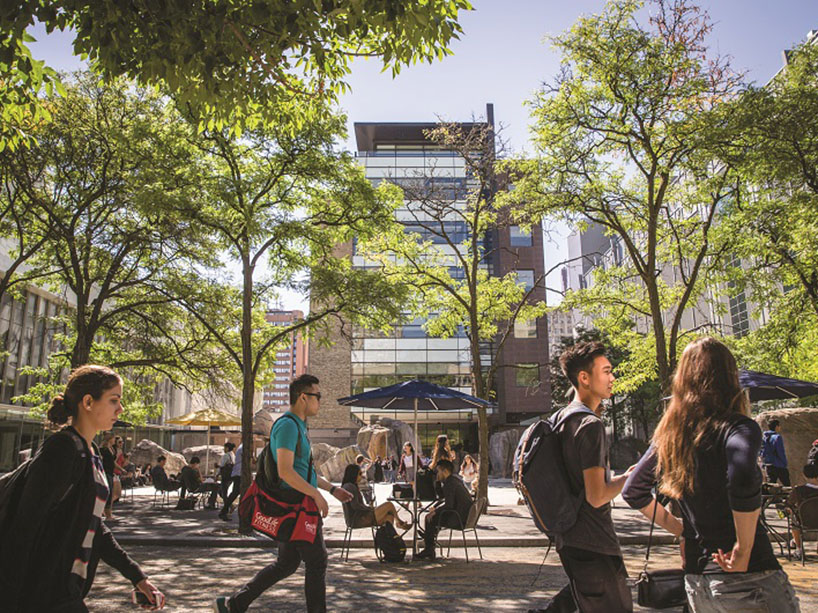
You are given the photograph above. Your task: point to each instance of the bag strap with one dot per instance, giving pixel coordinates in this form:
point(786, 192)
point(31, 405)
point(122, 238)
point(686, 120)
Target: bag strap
point(650, 534)
point(297, 444)
point(568, 414)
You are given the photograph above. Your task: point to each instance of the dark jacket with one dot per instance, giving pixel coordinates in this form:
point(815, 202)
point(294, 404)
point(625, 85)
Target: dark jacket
point(772, 450)
point(160, 478)
point(191, 478)
point(41, 541)
point(456, 497)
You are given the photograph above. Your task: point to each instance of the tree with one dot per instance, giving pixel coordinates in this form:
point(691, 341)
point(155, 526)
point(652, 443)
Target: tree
point(774, 225)
point(277, 200)
point(230, 60)
point(627, 137)
point(100, 179)
point(452, 286)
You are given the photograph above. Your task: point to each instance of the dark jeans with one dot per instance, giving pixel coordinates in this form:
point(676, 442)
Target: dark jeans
point(775, 473)
point(289, 559)
point(234, 493)
point(597, 584)
point(437, 521)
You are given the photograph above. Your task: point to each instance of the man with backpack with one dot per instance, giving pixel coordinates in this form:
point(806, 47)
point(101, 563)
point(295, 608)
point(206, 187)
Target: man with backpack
point(589, 549)
point(290, 449)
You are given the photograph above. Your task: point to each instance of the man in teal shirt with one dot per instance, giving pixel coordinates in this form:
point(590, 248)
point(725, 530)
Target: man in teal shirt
point(290, 446)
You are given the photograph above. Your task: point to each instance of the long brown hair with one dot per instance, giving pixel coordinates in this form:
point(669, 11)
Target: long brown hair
point(442, 450)
point(706, 392)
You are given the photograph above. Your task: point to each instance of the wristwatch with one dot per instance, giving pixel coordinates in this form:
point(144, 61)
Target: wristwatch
point(332, 489)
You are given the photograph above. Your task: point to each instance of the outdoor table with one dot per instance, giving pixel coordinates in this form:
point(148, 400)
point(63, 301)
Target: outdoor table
point(413, 506)
point(773, 496)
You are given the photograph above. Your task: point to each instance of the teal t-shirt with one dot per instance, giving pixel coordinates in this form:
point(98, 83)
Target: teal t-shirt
point(285, 433)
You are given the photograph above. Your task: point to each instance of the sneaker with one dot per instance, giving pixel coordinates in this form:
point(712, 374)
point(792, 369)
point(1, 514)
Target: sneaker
point(220, 605)
point(426, 554)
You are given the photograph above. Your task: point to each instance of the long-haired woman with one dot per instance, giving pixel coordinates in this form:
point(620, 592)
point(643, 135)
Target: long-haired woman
point(364, 515)
point(408, 463)
point(469, 470)
point(442, 451)
point(55, 535)
point(704, 454)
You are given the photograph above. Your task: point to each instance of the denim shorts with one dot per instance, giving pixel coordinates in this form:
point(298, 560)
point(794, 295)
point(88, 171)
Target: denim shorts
point(767, 591)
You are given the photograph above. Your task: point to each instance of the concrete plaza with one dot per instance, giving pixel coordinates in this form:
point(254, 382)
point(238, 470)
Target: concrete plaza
point(193, 557)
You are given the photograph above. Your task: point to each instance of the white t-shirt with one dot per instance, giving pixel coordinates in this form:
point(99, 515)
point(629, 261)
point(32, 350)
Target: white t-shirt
point(227, 458)
point(408, 461)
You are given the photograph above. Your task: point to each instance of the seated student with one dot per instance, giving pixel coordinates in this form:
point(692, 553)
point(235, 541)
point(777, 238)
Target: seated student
point(364, 515)
point(128, 474)
point(363, 484)
point(192, 482)
point(160, 478)
point(801, 493)
point(456, 498)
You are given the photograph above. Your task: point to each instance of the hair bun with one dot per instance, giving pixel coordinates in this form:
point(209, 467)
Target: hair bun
point(58, 413)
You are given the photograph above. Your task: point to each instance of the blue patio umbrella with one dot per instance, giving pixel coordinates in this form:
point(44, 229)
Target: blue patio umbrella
point(415, 394)
point(763, 386)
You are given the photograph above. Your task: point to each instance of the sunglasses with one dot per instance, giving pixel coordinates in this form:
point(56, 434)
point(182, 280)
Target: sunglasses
point(316, 394)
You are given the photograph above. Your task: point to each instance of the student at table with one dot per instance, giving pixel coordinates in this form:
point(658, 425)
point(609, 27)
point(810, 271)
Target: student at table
point(364, 515)
point(456, 498)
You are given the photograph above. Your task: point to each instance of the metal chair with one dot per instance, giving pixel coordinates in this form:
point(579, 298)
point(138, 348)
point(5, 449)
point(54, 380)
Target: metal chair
point(164, 495)
point(477, 509)
point(805, 519)
point(348, 521)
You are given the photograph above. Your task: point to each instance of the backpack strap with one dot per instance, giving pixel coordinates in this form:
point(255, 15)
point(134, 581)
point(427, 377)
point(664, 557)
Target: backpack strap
point(568, 414)
point(297, 444)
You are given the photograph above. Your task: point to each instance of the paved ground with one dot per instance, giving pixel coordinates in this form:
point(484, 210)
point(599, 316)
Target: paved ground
point(193, 556)
point(506, 580)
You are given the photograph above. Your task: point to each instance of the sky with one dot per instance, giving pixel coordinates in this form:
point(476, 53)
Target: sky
point(503, 57)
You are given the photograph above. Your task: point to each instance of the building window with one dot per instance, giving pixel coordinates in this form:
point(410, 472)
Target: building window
point(526, 277)
point(525, 329)
point(528, 375)
point(519, 238)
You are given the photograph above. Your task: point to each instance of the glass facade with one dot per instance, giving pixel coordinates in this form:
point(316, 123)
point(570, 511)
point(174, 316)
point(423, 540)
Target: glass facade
point(27, 332)
point(407, 352)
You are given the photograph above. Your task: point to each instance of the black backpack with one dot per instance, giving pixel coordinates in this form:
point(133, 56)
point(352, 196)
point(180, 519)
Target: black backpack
point(390, 544)
point(12, 484)
point(539, 474)
point(425, 484)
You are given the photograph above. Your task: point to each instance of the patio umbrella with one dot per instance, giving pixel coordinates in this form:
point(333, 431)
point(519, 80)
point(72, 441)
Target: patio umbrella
point(416, 395)
point(762, 386)
point(206, 417)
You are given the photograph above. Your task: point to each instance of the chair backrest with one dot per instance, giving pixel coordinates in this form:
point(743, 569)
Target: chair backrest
point(808, 513)
point(475, 512)
point(347, 514)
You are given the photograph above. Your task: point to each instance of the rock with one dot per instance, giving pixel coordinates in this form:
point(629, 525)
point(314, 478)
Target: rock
point(207, 467)
point(263, 421)
point(374, 440)
point(321, 452)
point(626, 451)
point(799, 428)
point(147, 451)
point(333, 468)
point(501, 451)
point(399, 433)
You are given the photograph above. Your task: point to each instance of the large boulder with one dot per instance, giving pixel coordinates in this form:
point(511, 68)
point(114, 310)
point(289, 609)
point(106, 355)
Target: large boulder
point(209, 462)
point(263, 421)
point(321, 452)
point(147, 451)
point(333, 468)
point(399, 432)
point(501, 451)
point(374, 440)
point(799, 428)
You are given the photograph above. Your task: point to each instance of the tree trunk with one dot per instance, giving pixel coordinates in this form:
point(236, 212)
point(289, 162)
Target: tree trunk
point(81, 352)
point(248, 384)
point(482, 420)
